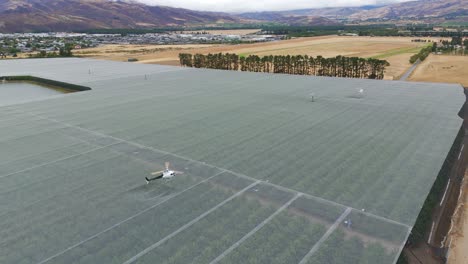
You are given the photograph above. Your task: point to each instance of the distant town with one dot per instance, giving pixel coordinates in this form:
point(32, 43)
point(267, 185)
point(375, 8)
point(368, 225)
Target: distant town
point(13, 44)
point(41, 45)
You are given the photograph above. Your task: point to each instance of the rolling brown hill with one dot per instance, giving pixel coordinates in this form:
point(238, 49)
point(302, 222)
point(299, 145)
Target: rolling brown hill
point(289, 18)
point(327, 12)
point(69, 15)
point(75, 15)
point(416, 10)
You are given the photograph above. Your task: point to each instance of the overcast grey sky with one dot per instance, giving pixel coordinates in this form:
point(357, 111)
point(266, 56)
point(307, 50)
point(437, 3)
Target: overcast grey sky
point(261, 5)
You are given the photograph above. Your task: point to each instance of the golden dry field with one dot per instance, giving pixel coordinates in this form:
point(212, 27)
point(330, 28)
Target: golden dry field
point(397, 50)
point(443, 68)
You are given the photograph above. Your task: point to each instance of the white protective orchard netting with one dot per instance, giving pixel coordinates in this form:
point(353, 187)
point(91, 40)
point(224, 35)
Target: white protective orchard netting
point(268, 175)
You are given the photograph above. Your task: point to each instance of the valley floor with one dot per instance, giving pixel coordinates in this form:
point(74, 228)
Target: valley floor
point(397, 50)
point(443, 68)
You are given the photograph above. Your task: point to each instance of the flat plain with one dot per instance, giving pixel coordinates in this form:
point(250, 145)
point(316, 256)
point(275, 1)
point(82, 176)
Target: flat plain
point(397, 50)
point(443, 68)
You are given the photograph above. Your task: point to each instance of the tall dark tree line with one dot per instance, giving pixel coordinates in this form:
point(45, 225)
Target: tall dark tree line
point(339, 66)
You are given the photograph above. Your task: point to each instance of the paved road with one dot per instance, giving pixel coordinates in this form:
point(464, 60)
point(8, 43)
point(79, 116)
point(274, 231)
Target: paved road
point(410, 71)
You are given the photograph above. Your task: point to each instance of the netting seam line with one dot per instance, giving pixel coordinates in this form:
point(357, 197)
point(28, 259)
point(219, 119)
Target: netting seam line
point(253, 231)
point(328, 201)
point(325, 236)
point(35, 134)
point(157, 96)
point(400, 249)
point(9, 112)
point(149, 75)
point(77, 138)
point(58, 160)
point(128, 219)
point(15, 124)
point(189, 224)
point(226, 170)
point(110, 76)
point(40, 154)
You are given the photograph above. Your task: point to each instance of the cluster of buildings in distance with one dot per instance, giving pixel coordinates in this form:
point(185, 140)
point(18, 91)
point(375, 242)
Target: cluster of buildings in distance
point(11, 44)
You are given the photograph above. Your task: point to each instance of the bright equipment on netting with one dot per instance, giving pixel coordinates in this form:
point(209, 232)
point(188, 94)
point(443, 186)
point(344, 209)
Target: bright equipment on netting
point(312, 97)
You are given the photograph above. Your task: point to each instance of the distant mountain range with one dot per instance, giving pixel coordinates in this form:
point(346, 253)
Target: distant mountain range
point(73, 15)
point(416, 10)
point(289, 17)
point(327, 12)
point(422, 9)
point(69, 15)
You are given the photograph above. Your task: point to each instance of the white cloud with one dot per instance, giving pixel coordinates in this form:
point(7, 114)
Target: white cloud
point(261, 5)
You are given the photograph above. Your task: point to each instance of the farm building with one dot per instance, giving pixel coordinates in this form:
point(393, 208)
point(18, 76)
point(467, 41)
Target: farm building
point(269, 175)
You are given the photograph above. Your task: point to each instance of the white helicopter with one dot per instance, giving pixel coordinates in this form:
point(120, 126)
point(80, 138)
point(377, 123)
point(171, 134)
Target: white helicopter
point(165, 174)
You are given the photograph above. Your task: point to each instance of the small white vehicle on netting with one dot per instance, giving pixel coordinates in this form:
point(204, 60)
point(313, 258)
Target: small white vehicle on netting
point(164, 174)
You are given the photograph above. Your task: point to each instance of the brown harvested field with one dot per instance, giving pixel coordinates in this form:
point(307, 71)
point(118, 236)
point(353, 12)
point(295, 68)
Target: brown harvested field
point(396, 50)
point(443, 68)
point(399, 64)
point(159, 54)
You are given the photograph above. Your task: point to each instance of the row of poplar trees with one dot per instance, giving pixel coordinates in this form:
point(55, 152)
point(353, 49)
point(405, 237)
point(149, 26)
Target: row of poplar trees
point(339, 66)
